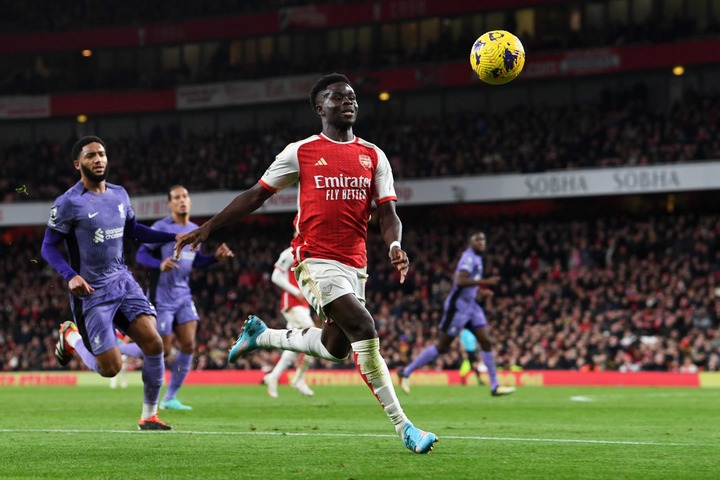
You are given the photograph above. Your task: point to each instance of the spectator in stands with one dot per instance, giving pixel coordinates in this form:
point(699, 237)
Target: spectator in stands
point(492, 150)
point(533, 315)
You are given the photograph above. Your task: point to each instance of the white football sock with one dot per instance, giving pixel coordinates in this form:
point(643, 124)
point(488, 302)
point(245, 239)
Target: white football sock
point(149, 409)
point(302, 368)
point(72, 338)
point(286, 360)
point(306, 340)
point(377, 376)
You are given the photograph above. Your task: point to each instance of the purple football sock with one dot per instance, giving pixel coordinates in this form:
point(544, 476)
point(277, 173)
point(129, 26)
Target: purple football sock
point(489, 361)
point(131, 350)
point(427, 356)
point(87, 357)
point(153, 370)
point(179, 371)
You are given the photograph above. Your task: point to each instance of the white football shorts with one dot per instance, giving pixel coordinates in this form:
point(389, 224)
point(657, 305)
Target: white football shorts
point(322, 281)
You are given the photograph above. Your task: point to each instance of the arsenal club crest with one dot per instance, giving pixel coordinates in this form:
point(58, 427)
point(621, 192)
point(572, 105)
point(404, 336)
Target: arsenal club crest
point(365, 162)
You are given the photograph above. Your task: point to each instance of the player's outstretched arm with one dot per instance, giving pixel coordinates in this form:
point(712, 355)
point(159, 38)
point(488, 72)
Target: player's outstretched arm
point(280, 278)
point(489, 282)
point(230, 216)
point(137, 232)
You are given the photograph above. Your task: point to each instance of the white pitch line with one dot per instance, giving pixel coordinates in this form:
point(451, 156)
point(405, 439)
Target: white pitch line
point(369, 435)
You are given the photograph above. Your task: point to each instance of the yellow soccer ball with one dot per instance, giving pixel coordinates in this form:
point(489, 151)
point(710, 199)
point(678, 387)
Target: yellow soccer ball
point(497, 57)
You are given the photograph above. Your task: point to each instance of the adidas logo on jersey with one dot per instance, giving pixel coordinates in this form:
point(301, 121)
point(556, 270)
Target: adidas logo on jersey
point(321, 162)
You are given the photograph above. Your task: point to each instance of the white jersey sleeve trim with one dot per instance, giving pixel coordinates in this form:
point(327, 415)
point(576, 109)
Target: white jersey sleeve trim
point(285, 170)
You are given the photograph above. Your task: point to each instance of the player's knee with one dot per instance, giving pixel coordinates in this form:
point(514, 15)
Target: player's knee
point(152, 345)
point(340, 353)
point(185, 347)
point(360, 328)
point(110, 369)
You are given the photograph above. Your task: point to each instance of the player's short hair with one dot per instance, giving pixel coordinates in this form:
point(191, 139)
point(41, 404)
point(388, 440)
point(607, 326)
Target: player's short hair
point(174, 187)
point(323, 83)
point(77, 148)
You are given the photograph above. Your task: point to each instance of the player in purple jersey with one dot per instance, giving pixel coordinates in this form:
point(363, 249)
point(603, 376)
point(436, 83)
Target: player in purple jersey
point(92, 219)
point(463, 311)
point(170, 291)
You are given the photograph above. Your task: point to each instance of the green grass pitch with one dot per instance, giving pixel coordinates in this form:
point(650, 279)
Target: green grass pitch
point(342, 433)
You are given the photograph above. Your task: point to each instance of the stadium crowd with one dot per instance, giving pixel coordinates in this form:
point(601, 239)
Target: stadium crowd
point(621, 129)
point(608, 293)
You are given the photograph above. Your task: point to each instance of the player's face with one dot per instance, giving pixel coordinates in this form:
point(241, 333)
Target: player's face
point(339, 105)
point(478, 242)
point(180, 202)
point(92, 162)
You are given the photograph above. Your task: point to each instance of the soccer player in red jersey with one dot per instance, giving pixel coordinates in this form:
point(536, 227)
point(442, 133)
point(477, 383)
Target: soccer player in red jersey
point(339, 176)
point(295, 310)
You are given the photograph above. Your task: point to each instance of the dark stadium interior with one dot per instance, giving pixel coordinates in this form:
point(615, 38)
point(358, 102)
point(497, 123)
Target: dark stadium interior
point(626, 283)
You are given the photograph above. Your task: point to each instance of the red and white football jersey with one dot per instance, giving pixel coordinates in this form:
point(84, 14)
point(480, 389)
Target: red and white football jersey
point(337, 183)
point(284, 264)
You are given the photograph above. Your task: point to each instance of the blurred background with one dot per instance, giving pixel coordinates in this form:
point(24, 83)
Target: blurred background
point(594, 175)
